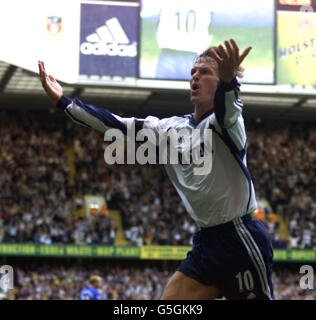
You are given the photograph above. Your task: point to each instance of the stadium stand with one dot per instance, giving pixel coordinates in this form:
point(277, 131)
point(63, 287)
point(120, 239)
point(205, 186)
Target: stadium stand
point(42, 174)
point(48, 166)
point(121, 281)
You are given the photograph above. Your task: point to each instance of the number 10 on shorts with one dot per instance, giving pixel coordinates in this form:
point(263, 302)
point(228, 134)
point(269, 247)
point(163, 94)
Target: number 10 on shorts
point(245, 281)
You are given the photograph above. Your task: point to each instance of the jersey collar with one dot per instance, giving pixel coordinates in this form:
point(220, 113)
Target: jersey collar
point(194, 123)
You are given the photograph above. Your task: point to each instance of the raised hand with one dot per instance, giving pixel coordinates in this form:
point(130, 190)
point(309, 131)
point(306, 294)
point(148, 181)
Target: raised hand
point(52, 88)
point(230, 60)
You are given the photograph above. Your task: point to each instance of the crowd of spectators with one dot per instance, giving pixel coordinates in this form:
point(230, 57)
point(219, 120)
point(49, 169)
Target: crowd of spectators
point(47, 282)
point(290, 284)
point(121, 282)
point(37, 199)
point(36, 202)
point(282, 161)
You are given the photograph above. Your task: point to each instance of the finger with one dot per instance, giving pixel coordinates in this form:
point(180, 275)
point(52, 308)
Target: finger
point(216, 56)
point(230, 51)
point(244, 54)
point(40, 68)
point(42, 71)
point(41, 65)
point(223, 52)
point(236, 49)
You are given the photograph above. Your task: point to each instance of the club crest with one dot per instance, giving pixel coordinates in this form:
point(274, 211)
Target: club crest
point(54, 27)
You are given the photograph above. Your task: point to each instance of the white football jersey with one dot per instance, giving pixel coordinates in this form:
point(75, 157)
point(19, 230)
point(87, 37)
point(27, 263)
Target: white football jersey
point(225, 191)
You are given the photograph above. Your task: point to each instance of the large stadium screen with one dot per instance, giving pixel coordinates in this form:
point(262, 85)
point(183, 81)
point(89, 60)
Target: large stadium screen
point(174, 32)
point(296, 42)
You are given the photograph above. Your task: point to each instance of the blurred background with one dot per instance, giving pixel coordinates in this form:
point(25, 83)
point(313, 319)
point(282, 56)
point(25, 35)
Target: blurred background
point(66, 215)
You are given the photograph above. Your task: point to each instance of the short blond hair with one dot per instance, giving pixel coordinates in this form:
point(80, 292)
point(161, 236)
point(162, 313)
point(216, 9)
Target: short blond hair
point(95, 279)
point(207, 54)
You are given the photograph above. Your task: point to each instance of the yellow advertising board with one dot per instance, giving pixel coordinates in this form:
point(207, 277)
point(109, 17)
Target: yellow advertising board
point(130, 252)
point(164, 252)
point(296, 48)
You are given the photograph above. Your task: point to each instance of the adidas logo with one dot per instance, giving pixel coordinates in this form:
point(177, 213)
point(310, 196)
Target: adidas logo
point(109, 39)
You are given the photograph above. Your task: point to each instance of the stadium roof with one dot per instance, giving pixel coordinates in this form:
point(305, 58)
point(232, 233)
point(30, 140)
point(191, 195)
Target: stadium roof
point(20, 88)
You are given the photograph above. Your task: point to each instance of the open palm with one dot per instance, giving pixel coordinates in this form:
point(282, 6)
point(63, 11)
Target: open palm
point(52, 88)
point(230, 60)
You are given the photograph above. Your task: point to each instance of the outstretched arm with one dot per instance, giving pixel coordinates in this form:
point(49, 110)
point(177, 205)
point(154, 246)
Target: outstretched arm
point(87, 115)
point(52, 88)
point(227, 105)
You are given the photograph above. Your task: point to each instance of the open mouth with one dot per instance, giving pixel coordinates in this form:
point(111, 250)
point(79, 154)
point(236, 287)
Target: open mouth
point(195, 87)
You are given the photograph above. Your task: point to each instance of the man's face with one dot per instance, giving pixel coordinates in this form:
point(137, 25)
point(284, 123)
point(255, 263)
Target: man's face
point(97, 284)
point(203, 82)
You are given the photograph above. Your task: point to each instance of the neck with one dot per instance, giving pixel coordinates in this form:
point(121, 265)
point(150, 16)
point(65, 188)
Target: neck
point(200, 110)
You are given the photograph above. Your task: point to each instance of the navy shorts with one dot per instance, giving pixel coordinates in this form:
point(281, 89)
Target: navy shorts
point(236, 257)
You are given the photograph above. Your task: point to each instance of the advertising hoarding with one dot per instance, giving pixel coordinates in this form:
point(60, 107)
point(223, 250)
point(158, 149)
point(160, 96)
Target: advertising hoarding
point(109, 39)
point(130, 252)
point(296, 44)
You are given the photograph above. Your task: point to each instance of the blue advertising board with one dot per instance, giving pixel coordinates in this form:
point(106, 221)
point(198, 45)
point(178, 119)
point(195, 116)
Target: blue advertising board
point(109, 39)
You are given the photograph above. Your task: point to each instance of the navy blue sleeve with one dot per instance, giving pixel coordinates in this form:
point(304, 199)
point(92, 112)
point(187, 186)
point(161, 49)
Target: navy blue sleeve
point(63, 102)
point(90, 116)
point(226, 100)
